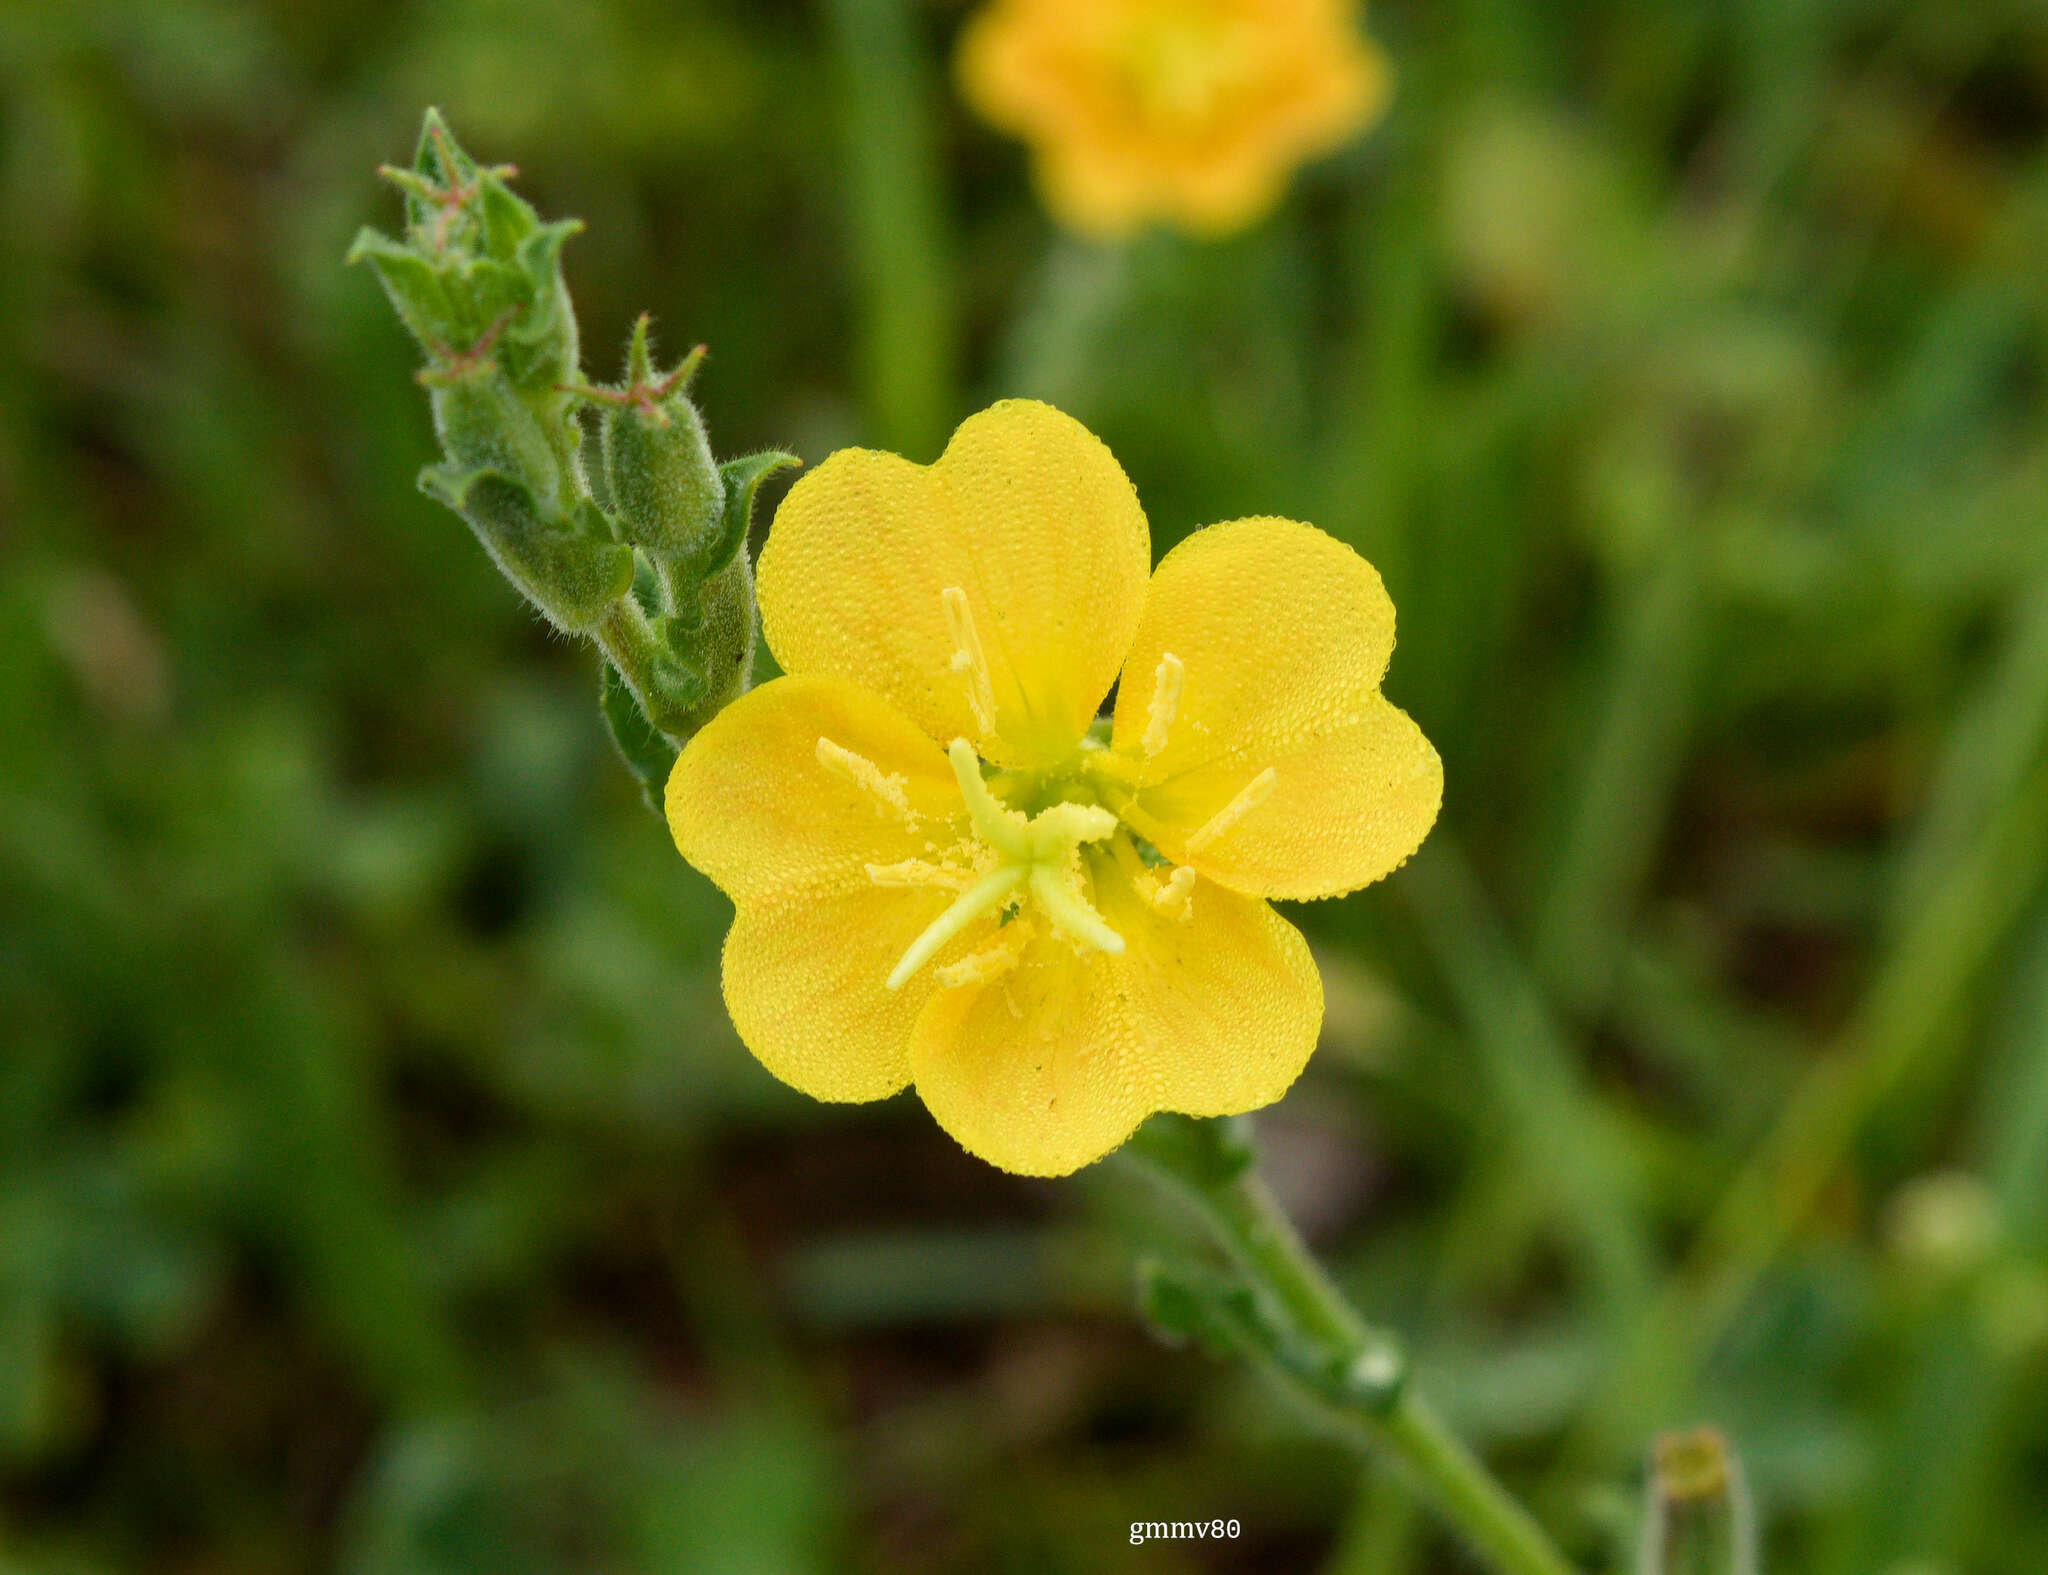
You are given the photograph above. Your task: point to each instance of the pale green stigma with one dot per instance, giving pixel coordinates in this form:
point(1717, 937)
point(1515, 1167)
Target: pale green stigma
point(1036, 856)
point(990, 891)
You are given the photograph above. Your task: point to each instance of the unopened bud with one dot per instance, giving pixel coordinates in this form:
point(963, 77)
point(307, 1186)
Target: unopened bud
point(665, 489)
point(1698, 1519)
point(565, 566)
point(484, 425)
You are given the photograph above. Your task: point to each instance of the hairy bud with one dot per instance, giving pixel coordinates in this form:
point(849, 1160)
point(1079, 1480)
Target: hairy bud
point(625, 528)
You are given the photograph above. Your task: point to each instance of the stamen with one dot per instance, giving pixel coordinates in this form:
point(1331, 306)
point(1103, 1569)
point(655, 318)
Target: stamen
point(969, 658)
point(886, 787)
point(920, 872)
point(992, 961)
point(1250, 797)
point(1167, 679)
point(1069, 910)
point(1174, 896)
point(991, 891)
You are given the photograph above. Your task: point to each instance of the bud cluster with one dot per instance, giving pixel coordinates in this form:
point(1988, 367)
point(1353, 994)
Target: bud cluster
point(602, 504)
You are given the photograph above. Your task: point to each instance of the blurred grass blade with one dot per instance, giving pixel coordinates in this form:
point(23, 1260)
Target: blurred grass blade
point(1574, 1152)
point(893, 188)
point(1908, 1030)
point(1616, 810)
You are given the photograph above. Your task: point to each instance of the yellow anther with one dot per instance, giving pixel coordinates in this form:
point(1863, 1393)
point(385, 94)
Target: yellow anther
point(992, 961)
point(969, 658)
point(1022, 858)
point(1167, 679)
point(920, 873)
point(1173, 896)
point(885, 787)
point(1250, 797)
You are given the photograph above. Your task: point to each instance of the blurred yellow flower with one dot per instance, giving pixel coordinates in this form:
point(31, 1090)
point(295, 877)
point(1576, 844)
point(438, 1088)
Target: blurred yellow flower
point(1190, 112)
point(948, 871)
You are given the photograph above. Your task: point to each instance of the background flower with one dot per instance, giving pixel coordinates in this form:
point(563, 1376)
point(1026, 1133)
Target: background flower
point(1191, 113)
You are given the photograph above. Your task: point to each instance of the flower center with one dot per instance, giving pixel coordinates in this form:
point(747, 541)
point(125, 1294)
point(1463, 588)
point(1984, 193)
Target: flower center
point(1036, 857)
point(1177, 64)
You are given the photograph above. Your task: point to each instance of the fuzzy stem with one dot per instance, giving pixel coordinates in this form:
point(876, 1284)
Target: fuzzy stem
point(1246, 1220)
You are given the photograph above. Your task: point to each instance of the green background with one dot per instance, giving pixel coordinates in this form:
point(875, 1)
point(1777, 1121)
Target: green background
point(381, 1186)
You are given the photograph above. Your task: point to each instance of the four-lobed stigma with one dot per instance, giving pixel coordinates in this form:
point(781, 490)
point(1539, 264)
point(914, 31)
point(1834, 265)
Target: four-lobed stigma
point(1014, 860)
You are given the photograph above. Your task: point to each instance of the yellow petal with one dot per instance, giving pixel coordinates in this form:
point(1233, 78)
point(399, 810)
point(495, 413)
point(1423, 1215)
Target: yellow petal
point(1027, 519)
point(1345, 809)
point(756, 805)
point(1282, 634)
point(803, 982)
point(788, 831)
point(1049, 1066)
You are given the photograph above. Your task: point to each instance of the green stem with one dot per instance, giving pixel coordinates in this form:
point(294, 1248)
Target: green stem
point(1201, 1166)
point(654, 676)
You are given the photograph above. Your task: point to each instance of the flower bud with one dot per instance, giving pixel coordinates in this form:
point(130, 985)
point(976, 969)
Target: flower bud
point(567, 567)
point(665, 488)
point(484, 425)
point(1698, 1519)
point(477, 263)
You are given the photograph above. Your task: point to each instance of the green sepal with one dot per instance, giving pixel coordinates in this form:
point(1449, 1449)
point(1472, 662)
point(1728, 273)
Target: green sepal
point(439, 158)
point(415, 288)
point(544, 350)
point(716, 647)
point(743, 478)
point(565, 569)
point(648, 752)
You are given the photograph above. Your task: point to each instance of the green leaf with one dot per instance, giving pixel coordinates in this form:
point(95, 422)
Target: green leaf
point(1182, 1302)
point(648, 752)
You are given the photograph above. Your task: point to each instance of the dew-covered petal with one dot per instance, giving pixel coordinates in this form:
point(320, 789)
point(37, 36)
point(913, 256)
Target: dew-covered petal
point(1031, 525)
point(1050, 1065)
point(758, 805)
point(787, 799)
point(804, 982)
point(1339, 813)
point(1279, 769)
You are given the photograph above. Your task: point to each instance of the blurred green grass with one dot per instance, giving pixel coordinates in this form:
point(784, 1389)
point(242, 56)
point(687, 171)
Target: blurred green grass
point(381, 1187)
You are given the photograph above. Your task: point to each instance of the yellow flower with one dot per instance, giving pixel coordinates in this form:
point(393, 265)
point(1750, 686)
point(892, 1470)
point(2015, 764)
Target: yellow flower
point(948, 871)
point(1193, 112)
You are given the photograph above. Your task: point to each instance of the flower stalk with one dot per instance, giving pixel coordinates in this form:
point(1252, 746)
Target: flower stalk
point(1278, 1306)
